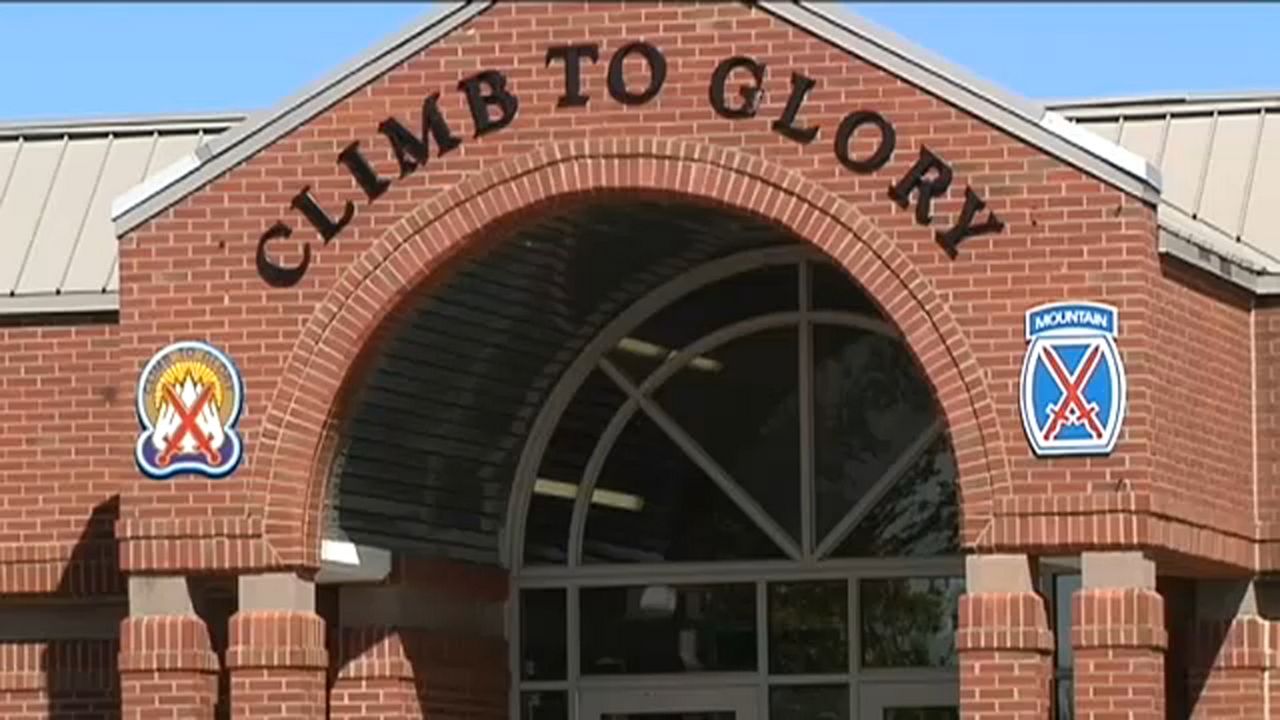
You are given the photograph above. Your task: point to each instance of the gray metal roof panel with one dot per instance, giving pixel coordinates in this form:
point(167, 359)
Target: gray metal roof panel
point(1219, 154)
point(57, 178)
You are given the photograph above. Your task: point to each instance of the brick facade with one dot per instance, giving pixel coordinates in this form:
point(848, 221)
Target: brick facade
point(1189, 481)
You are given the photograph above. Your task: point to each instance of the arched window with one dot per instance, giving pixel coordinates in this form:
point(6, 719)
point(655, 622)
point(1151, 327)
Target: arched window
point(743, 487)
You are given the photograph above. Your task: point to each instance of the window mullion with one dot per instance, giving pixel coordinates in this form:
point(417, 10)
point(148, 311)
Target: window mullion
point(882, 486)
point(591, 473)
point(805, 391)
point(695, 452)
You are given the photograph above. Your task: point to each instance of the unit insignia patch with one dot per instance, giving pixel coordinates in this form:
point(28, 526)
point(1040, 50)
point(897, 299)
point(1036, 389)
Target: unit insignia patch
point(1072, 392)
point(189, 396)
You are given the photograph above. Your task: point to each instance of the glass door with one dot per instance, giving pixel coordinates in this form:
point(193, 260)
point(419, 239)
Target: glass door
point(669, 704)
point(909, 701)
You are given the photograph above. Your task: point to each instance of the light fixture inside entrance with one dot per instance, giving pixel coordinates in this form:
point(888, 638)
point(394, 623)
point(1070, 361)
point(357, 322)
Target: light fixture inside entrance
point(635, 346)
point(606, 498)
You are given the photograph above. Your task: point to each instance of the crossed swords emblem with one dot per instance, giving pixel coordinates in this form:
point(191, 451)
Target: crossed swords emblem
point(1072, 409)
point(188, 426)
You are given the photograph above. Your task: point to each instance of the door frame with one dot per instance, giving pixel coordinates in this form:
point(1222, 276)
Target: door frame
point(874, 697)
point(740, 700)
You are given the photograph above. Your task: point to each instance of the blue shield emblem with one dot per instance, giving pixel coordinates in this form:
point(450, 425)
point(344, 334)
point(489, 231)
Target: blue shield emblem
point(1072, 392)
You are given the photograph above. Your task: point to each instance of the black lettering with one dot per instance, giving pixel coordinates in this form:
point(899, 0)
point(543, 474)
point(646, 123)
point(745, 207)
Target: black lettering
point(751, 94)
point(409, 149)
point(479, 102)
point(800, 87)
point(318, 218)
point(657, 74)
point(964, 227)
point(929, 189)
point(844, 136)
point(362, 171)
point(279, 275)
point(572, 56)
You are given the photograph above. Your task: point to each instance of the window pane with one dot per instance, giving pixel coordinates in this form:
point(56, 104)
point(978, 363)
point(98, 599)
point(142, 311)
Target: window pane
point(808, 627)
point(910, 622)
point(919, 516)
point(544, 705)
point(809, 703)
point(745, 414)
point(551, 505)
point(665, 629)
point(758, 292)
point(870, 404)
point(542, 635)
point(659, 506)
point(833, 289)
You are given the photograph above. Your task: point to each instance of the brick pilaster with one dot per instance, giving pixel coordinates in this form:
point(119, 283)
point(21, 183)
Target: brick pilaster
point(1118, 639)
point(374, 676)
point(59, 679)
point(1004, 642)
point(1229, 676)
point(167, 668)
point(1005, 649)
point(278, 662)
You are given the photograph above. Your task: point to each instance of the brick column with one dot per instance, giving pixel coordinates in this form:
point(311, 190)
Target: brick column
point(1233, 655)
point(374, 676)
point(167, 667)
point(1004, 642)
point(276, 652)
point(409, 652)
point(1118, 638)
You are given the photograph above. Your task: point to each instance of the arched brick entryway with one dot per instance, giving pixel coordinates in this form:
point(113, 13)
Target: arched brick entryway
point(295, 442)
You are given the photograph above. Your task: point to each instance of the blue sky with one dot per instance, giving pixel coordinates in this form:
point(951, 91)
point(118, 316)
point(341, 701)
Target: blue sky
point(70, 60)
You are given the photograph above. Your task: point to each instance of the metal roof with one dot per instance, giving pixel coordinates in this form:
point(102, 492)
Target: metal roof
point(57, 180)
point(1219, 155)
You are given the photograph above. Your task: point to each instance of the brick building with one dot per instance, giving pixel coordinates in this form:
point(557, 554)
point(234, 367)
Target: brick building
point(426, 393)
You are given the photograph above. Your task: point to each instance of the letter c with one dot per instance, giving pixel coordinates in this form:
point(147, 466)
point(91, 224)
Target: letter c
point(278, 275)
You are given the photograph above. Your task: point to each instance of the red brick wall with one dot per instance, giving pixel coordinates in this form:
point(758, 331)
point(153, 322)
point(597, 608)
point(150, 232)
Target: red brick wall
point(59, 679)
point(190, 271)
point(1094, 242)
point(61, 396)
point(1267, 340)
point(1203, 427)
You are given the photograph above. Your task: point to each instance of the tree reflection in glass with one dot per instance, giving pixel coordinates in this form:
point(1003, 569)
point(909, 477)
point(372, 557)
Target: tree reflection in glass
point(808, 627)
point(870, 404)
point(918, 517)
point(910, 622)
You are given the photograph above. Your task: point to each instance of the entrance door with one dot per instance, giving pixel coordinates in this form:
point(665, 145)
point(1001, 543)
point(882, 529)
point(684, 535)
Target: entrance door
point(669, 704)
point(909, 701)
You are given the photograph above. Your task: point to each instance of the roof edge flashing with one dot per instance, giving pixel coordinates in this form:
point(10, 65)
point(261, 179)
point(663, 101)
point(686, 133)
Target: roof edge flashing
point(1118, 155)
point(1006, 111)
point(1174, 244)
point(262, 129)
point(155, 184)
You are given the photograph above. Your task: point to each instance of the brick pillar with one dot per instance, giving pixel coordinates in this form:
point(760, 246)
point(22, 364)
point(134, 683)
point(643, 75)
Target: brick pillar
point(276, 652)
point(1004, 642)
point(167, 666)
point(374, 676)
point(415, 651)
point(1233, 655)
point(1118, 638)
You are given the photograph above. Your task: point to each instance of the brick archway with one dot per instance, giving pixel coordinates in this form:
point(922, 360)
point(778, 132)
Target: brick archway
point(298, 434)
